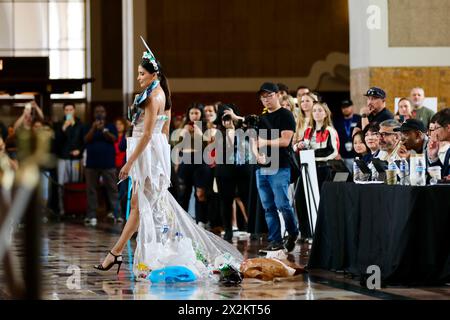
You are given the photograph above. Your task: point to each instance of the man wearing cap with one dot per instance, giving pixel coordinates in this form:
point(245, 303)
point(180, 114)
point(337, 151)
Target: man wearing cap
point(413, 138)
point(420, 112)
point(273, 179)
point(376, 108)
point(344, 126)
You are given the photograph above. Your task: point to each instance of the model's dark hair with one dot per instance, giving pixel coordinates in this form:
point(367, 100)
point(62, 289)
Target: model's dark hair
point(163, 81)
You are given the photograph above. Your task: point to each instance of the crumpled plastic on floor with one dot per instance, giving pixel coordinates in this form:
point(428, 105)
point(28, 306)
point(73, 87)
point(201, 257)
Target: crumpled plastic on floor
point(268, 269)
point(229, 275)
point(172, 274)
point(279, 254)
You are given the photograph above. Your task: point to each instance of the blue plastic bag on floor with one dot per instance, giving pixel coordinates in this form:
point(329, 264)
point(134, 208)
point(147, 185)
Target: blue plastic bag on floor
point(172, 274)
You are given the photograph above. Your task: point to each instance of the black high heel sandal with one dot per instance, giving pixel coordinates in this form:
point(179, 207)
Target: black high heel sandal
point(117, 260)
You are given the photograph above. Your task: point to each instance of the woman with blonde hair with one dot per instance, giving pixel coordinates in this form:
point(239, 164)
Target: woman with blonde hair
point(321, 137)
point(304, 115)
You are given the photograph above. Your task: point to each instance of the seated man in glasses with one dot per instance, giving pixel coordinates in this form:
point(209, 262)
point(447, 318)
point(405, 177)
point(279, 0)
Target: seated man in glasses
point(390, 142)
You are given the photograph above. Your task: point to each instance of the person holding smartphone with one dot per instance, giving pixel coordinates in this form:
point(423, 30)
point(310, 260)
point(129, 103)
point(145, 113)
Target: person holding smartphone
point(69, 147)
point(31, 112)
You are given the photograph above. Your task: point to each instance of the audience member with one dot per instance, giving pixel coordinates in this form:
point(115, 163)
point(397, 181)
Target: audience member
point(372, 139)
point(441, 135)
point(421, 112)
point(413, 138)
point(344, 126)
point(375, 111)
point(360, 147)
point(389, 140)
point(405, 111)
point(69, 145)
point(100, 161)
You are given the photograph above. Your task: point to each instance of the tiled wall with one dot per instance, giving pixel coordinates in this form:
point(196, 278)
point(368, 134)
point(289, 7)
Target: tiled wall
point(397, 82)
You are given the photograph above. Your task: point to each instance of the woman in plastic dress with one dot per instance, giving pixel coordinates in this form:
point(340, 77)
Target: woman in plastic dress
point(167, 235)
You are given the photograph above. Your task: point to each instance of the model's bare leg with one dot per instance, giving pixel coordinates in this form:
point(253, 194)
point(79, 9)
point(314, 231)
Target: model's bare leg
point(129, 229)
point(242, 207)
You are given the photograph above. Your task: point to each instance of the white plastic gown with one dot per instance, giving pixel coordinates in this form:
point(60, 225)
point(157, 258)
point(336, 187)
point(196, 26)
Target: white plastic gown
point(167, 235)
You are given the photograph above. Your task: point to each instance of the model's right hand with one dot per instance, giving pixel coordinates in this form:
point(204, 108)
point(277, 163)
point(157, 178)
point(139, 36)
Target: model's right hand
point(124, 172)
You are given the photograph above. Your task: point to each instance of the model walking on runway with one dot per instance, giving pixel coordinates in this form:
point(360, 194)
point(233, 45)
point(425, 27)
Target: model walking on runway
point(167, 235)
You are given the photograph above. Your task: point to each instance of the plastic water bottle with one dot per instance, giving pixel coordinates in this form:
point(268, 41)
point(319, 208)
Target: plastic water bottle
point(374, 172)
point(402, 172)
point(420, 170)
point(356, 171)
point(164, 234)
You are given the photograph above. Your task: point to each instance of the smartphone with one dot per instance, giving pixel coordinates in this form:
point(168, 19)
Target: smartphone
point(402, 119)
point(28, 106)
point(69, 117)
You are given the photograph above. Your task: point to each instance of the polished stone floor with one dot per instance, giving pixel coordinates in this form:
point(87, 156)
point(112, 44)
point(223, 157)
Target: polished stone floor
point(70, 249)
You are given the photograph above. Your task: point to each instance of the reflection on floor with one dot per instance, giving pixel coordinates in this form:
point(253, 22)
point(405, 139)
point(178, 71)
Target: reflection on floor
point(71, 248)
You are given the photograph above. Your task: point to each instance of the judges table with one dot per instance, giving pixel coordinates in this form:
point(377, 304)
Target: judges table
point(405, 230)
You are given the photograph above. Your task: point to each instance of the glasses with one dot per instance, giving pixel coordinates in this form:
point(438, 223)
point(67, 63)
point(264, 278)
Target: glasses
point(270, 95)
point(385, 134)
point(435, 128)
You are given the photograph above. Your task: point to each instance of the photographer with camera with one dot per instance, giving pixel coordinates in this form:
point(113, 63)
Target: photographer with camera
point(274, 173)
point(192, 170)
point(100, 161)
point(232, 170)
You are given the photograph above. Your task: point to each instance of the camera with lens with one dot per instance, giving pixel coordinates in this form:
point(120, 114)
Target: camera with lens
point(226, 117)
point(252, 121)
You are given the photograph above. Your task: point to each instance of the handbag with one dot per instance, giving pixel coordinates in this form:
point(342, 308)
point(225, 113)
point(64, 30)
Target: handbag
point(294, 166)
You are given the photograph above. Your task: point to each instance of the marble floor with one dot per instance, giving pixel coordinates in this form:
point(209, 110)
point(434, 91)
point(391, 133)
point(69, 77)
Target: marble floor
point(70, 249)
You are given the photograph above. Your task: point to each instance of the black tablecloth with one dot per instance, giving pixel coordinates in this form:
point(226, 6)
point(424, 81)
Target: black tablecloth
point(404, 230)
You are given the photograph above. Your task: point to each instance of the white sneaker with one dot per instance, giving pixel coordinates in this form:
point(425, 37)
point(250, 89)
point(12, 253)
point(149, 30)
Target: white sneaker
point(203, 225)
point(90, 221)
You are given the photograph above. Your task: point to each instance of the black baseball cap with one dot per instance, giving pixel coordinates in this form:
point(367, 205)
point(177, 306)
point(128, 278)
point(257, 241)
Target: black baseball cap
point(376, 92)
point(346, 103)
point(268, 87)
point(411, 125)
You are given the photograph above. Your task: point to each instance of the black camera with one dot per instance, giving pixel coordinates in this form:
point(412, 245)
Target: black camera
point(226, 117)
point(252, 121)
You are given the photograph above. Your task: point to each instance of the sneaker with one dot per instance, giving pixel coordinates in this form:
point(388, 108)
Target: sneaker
point(90, 221)
point(273, 246)
point(202, 224)
point(110, 216)
point(289, 242)
point(120, 220)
